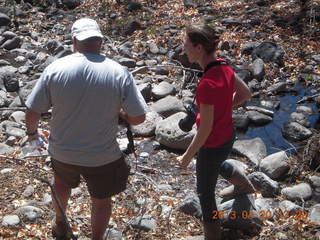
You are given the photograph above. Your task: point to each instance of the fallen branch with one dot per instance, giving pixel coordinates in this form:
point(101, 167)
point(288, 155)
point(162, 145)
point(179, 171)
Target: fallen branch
point(307, 98)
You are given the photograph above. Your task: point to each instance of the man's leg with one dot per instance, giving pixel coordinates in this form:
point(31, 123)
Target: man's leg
point(100, 215)
point(62, 192)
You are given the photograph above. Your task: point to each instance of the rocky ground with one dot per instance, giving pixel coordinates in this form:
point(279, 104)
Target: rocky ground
point(269, 44)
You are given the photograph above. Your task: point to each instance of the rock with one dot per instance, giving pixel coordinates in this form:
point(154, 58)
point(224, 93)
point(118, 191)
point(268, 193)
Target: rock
point(130, 63)
point(264, 184)
point(5, 149)
point(4, 20)
point(266, 206)
point(254, 149)
point(112, 234)
point(160, 70)
point(316, 58)
point(132, 27)
point(289, 208)
point(305, 110)
point(191, 206)
point(240, 214)
point(315, 214)
point(133, 6)
point(300, 118)
point(162, 90)
point(148, 127)
point(258, 118)
point(275, 165)
point(315, 181)
point(257, 69)
point(6, 170)
point(240, 121)
point(16, 132)
point(168, 106)
point(170, 135)
point(240, 165)
point(269, 52)
point(28, 191)
point(297, 192)
point(11, 43)
point(270, 104)
point(71, 4)
point(10, 220)
point(295, 131)
point(249, 47)
point(261, 110)
point(30, 212)
point(153, 48)
point(144, 223)
point(18, 116)
point(145, 89)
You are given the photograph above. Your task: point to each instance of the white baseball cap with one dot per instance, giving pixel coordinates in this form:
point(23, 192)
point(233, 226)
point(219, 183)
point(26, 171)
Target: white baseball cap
point(85, 28)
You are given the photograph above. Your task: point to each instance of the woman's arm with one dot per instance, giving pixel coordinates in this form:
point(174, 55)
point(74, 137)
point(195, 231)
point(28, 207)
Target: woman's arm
point(241, 92)
point(206, 116)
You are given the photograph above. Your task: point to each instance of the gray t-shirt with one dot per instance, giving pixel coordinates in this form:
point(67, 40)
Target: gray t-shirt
point(86, 92)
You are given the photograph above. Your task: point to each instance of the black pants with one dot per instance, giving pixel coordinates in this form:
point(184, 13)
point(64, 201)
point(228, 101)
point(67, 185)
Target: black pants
point(211, 163)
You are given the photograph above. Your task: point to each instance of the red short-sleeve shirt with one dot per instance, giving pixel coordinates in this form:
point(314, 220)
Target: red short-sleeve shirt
point(216, 88)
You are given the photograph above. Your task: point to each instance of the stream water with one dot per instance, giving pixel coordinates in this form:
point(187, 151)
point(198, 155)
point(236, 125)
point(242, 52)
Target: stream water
point(271, 133)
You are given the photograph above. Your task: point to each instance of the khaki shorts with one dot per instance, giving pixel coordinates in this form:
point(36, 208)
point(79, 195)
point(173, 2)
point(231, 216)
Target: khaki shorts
point(102, 182)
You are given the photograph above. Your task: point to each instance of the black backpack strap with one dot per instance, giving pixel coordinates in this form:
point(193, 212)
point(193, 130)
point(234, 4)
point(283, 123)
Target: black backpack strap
point(212, 64)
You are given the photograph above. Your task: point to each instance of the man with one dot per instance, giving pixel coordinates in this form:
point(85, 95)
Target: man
point(87, 93)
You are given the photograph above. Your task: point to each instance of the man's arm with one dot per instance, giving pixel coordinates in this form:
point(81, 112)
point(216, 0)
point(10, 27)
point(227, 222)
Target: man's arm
point(241, 92)
point(133, 120)
point(32, 121)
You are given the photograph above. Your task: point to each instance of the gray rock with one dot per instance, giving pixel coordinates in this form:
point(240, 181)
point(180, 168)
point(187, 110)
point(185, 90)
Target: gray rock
point(316, 58)
point(315, 181)
point(160, 70)
point(258, 118)
point(162, 90)
point(297, 192)
point(240, 214)
point(128, 62)
point(295, 131)
point(288, 207)
point(264, 184)
point(257, 69)
point(261, 110)
point(249, 47)
point(6, 170)
point(5, 149)
point(112, 234)
point(277, 87)
point(169, 134)
point(4, 20)
point(16, 132)
point(11, 43)
point(148, 127)
point(269, 52)
point(315, 214)
point(305, 110)
point(300, 118)
point(10, 220)
point(254, 149)
point(28, 191)
point(275, 165)
point(266, 206)
point(240, 121)
point(153, 48)
point(191, 206)
point(240, 165)
point(144, 223)
point(30, 212)
point(18, 116)
point(145, 89)
point(168, 106)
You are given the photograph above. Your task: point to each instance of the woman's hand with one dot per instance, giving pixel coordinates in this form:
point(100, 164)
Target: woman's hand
point(184, 161)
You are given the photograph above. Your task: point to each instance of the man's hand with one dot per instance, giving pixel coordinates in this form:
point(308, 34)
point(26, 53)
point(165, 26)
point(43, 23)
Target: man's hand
point(184, 161)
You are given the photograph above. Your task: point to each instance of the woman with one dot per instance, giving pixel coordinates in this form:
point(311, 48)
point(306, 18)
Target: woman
point(218, 90)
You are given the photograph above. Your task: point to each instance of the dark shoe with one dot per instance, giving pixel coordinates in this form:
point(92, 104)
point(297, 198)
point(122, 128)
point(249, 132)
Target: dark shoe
point(241, 185)
point(59, 230)
point(212, 230)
